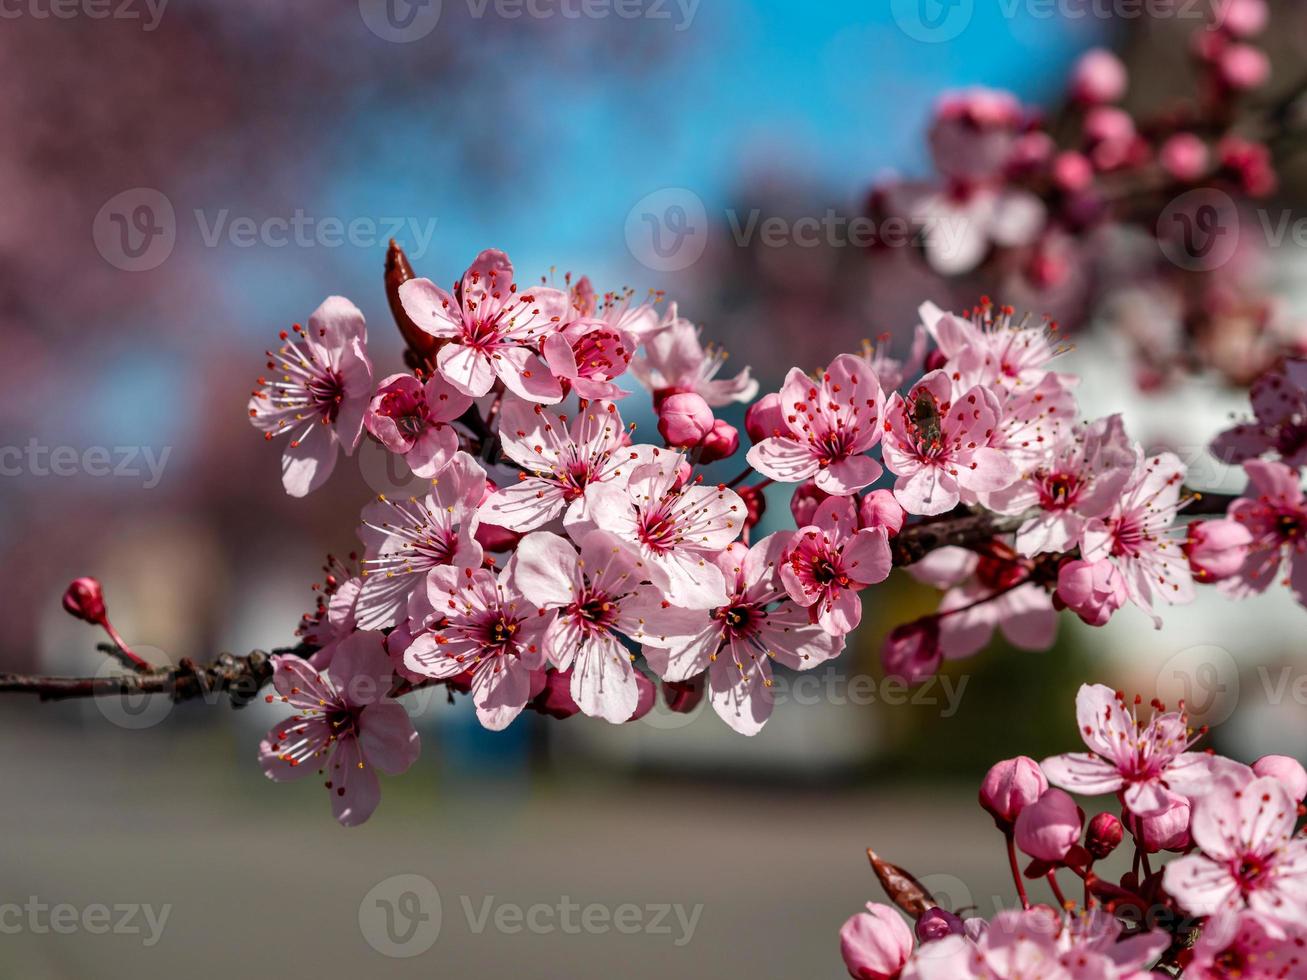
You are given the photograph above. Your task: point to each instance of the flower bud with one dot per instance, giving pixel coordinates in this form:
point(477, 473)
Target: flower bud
point(1243, 67)
point(1072, 172)
point(1099, 76)
point(805, 501)
point(648, 695)
point(1244, 18)
point(1165, 831)
point(764, 418)
point(912, 651)
point(721, 442)
point(683, 697)
point(1184, 156)
point(1104, 834)
point(756, 503)
point(85, 599)
point(1288, 772)
point(492, 537)
point(1009, 787)
point(1216, 549)
point(684, 419)
point(935, 360)
point(937, 923)
point(1048, 828)
point(555, 697)
point(876, 943)
point(1094, 591)
point(881, 509)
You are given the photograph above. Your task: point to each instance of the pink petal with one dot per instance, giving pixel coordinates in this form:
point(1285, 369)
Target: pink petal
point(431, 308)
point(1081, 772)
point(387, 737)
point(848, 475)
point(466, 369)
point(355, 791)
point(526, 375)
point(545, 569)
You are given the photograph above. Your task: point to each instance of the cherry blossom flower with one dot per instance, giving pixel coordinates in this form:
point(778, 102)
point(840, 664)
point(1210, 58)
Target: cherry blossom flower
point(1075, 482)
point(346, 727)
point(938, 446)
point(588, 354)
point(600, 598)
point(493, 330)
point(481, 625)
point(1250, 856)
point(675, 360)
point(827, 563)
point(560, 459)
point(962, 219)
point(1246, 946)
point(1137, 534)
point(412, 419)
point(676, 526)
point(990, 346)
point(1280, 407)
point(1276, 518)
point(1148, 763)
point(831, 423)
point(758, 624)
point(318, 394)
point(406, 539)
point(876, 943)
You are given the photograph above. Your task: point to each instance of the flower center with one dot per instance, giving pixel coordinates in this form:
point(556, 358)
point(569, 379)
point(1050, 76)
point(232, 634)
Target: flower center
point(326, 390)
point(1058, 491)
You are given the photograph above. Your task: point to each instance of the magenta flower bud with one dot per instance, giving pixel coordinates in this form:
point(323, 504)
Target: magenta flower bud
point(1048, 828)
point(880, 508)
point(756, 503)
point(1289, 772)
point(648, 695)
point(803, 505)
point(721, 442)
point(876, 943)
point(935, 360)
point(1103, 835)
point(1184, 156)
point(1165, 831)
point(1072, 172)
point(1094, 591)
point(492, 537)
point(765, 419)
point(683, 696)
point(85, 599)
point(1109, 125)
point(937, 923)
point(684, 419)
point(912, 652)
point(555, 697)
point(1099, 76)
point(1243, 67)
point(1009, 787)
point(1244, 18)
point(1216, 549)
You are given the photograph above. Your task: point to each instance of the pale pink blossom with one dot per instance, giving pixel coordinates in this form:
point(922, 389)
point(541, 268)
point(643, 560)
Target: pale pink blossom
point(677, 526)
point(493, 329)
point(827, 563)
point(990, 346)
point(1138, 535)
point(876, 943)
point(588, 354)
point(1073, 483)
point(962, 220)
point(1250, 857)
point(346, 728)
point(758, 624)
point(1274, 511)
point(601, 597)
point(316, 393)
point(560, 459)
point(481, 625)
point(938, 446)
point(831, 423)
point(1280, 424)
point(405, 539)
point(675, 360)
point(1093, 590)
point(413, 419)
point(1290, 773)
point(1247, 946)
point(1147, 762)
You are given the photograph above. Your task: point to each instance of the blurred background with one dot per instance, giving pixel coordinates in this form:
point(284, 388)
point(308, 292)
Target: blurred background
point(186, 179)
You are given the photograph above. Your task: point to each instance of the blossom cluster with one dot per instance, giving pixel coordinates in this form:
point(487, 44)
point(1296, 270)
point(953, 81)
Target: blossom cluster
point(1230, 899)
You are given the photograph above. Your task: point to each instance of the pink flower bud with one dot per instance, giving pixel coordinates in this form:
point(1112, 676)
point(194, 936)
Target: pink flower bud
point(912, 652)
point(880, 509)
point(555, 697)
point(1103, 835)
point(683, 696)
point(1109, 125)
point(85, 599)
point(1094, 591)
point(684, 419)
point(721, 442)
point(1244, 18)
point(492, 537)
point(1243, 67)
point(764, 418)
point(1009, 787)
point(1251, 164)
point(803, 505)
point(1099, 76)
point(935, 360)
point(1165, 831)
point(1216, 549)
point(1048, 828)
point(648, 695)
point(1072, 172)
point(756, 503)
point(876, 943)
point(1289, 772)
point(937, 923)
point(1184, 157)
